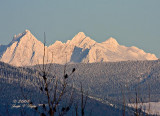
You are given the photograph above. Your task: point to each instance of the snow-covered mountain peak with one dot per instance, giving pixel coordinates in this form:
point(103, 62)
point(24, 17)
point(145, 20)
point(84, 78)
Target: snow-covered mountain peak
point(82, 34)
point(111, 41)
point(58, 42)
point(27, 31)
point(82, 41)
point(20, 35)
point(79, 37)
point(25, 49)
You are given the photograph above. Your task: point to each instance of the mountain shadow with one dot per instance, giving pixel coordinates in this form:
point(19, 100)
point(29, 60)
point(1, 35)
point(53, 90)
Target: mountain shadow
point(79, 54)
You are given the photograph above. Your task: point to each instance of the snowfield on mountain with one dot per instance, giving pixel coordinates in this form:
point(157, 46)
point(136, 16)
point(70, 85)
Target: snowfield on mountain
point(26, 50)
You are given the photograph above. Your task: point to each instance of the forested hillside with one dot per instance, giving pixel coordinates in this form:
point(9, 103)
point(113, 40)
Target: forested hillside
point(106, 83)
point(16, 82)
point(107, 80)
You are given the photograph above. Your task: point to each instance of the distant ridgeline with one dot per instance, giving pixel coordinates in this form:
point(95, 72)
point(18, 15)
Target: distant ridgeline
point(26, 50)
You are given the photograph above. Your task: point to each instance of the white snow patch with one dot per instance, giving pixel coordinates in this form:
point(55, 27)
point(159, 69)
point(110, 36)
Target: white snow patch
point(150, 107)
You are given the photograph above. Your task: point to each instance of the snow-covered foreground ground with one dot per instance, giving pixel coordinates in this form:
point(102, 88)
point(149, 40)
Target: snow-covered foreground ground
point(150, 107)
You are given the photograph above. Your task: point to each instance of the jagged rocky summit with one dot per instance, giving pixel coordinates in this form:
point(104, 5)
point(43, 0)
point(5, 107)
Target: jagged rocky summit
point(26, 50)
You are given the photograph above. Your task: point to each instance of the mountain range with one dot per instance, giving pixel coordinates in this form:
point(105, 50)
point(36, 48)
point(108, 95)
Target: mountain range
point(26, 50)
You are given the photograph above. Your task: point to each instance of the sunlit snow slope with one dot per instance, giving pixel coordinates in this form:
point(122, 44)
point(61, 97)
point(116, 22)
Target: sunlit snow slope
point(26, 50)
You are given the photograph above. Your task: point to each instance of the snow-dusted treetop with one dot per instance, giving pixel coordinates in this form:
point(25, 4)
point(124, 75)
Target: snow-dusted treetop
point(25, 49)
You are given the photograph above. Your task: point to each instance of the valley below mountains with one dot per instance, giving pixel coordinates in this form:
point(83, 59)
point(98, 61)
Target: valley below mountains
point(26, 50)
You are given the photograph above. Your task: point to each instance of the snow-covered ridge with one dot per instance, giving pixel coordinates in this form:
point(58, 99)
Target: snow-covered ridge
point(20, 35)
point(111, 41)
point(26, 50)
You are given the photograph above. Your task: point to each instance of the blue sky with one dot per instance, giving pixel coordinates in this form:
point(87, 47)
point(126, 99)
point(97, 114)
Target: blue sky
point(130, 22)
